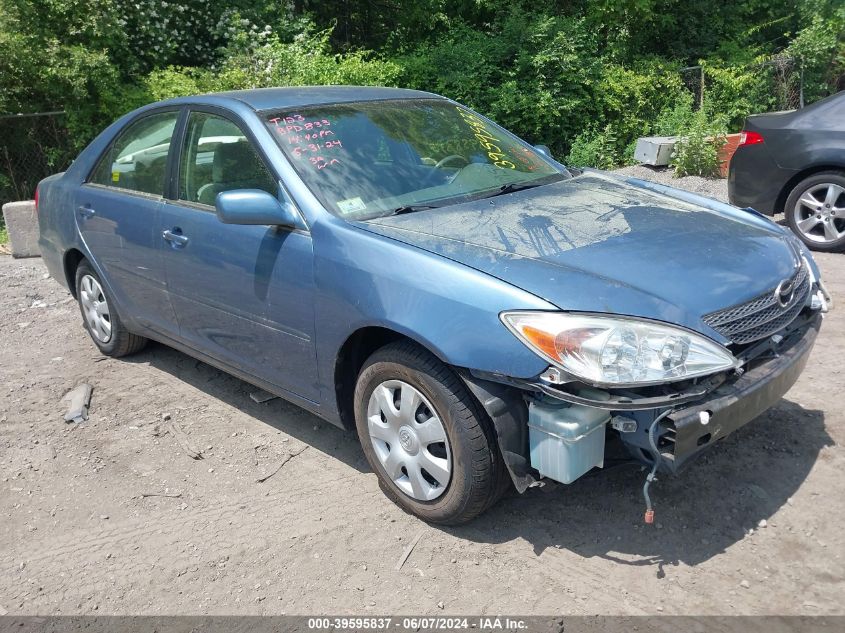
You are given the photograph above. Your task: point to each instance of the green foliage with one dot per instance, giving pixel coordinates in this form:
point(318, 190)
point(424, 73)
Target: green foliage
point(586, 77)
point(161, 32)
point(543, 76)
point(4, 234)
point(57, 55)
point(595, 149)
point(735, 92)
point(633, 97)
point(628, 154)
point(53, 56)
point(547, 93)
point(821, 48)
point(674, 118)
point(174, 81)
point(697, 150)
point(307, 60)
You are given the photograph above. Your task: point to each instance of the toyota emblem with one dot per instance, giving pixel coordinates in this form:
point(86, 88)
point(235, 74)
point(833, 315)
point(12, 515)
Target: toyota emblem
point(785, 292)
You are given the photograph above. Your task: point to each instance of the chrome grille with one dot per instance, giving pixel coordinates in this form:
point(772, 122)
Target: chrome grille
point(762, 316)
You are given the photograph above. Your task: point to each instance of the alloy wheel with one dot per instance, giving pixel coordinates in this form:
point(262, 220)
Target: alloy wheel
point(409, 440)
point(95, 308)
point(819, 213)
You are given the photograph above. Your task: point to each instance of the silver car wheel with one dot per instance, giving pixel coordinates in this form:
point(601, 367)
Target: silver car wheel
point(95, 308)
point(409, 440)
point(819, 213)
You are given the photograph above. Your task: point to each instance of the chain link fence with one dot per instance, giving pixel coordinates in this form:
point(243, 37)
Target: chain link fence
point(769, 86)
point(693, 80)
point(32, 146)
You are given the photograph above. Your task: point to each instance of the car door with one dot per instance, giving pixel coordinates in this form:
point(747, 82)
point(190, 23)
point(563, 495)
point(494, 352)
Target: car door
point(242, 294)
point(118, 214)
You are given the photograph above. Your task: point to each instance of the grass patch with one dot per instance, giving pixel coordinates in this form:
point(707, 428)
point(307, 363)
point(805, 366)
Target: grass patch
point(4, 234)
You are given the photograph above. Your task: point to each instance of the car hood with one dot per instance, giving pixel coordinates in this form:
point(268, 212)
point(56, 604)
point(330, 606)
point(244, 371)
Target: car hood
point(597, 243)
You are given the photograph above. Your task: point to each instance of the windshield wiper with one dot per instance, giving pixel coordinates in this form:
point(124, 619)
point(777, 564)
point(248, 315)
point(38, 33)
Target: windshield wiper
point(513, 186)
point(410, 208)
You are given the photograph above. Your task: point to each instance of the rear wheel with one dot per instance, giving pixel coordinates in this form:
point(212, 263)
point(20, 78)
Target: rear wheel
point(815, 211)
point(425, 436)
point(100, 318)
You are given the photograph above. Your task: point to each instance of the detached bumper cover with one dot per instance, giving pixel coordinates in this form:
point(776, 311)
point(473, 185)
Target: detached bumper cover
point(736, 403)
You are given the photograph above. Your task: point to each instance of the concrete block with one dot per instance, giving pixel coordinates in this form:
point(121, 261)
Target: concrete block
point(22, 225)
point(655, 150)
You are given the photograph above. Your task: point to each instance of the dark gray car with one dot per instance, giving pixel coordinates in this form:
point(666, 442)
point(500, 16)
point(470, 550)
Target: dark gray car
point(794, 163)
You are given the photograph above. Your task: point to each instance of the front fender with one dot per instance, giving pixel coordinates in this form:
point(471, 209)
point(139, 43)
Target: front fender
point(364, 279)
point(748, 216)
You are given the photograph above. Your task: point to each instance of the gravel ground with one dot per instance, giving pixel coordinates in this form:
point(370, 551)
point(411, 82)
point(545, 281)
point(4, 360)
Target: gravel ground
point(712, 187)
point(111, 516)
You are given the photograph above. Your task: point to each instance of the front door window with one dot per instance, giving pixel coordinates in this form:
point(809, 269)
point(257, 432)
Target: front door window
point(219, 157)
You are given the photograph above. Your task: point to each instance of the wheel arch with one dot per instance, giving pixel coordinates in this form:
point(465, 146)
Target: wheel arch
point(352, 355)
point(504, 406)
point(72, 258)
point(780, 202)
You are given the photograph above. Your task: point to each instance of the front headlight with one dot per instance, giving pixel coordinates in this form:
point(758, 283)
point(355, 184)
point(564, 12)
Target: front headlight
point(618, 351)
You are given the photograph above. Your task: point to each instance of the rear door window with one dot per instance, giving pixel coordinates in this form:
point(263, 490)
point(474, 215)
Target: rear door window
point(137, 160)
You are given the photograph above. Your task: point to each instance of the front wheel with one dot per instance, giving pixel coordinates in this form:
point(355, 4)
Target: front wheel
point(815, 211)
point(425, 436)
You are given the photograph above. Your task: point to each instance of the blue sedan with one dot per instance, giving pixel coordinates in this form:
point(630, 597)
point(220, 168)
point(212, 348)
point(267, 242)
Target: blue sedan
point(398, 264)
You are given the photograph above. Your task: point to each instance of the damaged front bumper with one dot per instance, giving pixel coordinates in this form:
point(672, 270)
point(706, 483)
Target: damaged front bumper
point(736, 402)
point(693, 417)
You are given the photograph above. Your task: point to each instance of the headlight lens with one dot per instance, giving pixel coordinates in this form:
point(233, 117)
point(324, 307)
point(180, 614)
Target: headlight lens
point(618, 351)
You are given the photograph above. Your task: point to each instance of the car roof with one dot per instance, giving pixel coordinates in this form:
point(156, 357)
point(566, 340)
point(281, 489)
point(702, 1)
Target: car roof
point(264, 99)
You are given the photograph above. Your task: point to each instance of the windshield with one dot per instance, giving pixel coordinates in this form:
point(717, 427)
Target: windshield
point(370, 159)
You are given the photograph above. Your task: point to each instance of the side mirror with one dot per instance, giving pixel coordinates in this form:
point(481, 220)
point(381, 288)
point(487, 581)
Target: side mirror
point(544, 149)
point(253, 206)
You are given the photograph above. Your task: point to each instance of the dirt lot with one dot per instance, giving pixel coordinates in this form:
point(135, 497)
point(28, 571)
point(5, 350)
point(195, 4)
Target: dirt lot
point(77, 535)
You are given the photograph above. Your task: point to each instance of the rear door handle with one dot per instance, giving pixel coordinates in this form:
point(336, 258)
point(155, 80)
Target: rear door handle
point(86, 212)
point(175, 238)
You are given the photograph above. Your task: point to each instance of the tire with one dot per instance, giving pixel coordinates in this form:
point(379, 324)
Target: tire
point(100, 318)
point(821, 226)
point(469, 453)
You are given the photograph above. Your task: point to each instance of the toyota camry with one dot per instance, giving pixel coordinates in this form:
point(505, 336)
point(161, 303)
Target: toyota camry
point(482, 316)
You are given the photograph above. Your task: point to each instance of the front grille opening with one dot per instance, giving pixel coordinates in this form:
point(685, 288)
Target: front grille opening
point(762, 316)
point(704, 439)
point(757, 352)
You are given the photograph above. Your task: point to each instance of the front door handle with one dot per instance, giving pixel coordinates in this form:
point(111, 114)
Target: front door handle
point(177, 239)
point(85, 212)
